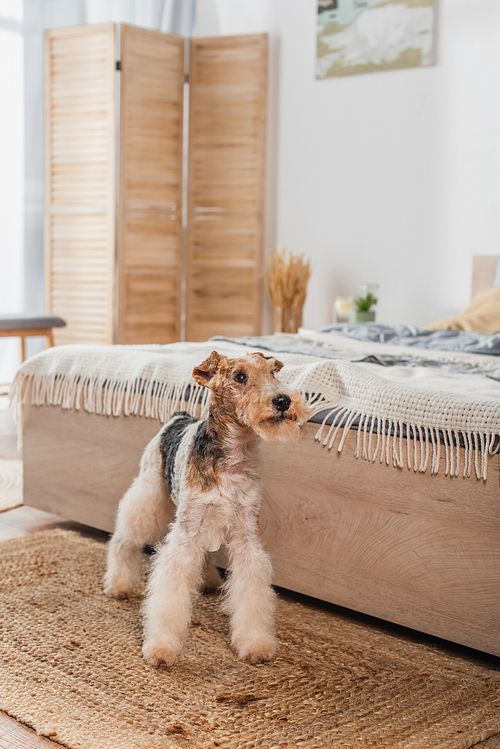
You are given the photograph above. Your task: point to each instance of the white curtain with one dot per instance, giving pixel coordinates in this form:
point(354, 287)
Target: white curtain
point(11, 175)
point(174, 16)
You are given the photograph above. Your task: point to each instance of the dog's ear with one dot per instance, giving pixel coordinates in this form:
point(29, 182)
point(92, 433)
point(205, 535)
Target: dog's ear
point(204, 373)
point(278, 365)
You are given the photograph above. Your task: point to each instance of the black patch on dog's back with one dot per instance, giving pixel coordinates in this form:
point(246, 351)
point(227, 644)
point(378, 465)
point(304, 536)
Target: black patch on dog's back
point(206, 454)
point(207, 444)
point(170, 441)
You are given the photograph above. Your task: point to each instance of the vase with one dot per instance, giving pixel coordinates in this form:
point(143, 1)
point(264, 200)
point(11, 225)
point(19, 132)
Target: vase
point(355, 316)
point(287, 319)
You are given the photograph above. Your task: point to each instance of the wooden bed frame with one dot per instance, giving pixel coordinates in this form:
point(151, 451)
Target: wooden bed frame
point(414, 549)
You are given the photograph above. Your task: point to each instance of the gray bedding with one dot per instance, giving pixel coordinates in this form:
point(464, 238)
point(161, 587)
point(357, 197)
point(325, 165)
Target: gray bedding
point(397, 335)
point(409, 335)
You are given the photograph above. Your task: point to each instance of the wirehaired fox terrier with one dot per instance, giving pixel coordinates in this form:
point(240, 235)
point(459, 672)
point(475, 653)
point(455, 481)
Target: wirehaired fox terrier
point(211, 469)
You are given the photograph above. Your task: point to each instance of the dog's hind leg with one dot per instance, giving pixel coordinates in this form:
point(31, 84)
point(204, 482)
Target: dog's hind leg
point(144, 514)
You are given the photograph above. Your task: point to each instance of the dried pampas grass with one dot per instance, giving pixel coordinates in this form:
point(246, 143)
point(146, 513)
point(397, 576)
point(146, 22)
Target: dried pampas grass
point(286, 281)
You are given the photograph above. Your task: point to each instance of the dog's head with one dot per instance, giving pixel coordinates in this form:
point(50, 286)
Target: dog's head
point(248, 391)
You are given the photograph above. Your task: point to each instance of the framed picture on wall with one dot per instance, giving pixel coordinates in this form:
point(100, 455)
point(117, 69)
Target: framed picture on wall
point(366, 36)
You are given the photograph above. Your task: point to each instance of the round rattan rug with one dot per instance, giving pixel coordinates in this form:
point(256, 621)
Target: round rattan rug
point(71, 667)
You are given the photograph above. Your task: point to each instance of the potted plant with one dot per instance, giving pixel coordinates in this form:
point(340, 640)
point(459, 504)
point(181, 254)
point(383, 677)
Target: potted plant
point(362, 309)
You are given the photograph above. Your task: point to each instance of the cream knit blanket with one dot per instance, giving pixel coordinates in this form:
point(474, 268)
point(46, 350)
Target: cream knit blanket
point(451, 416)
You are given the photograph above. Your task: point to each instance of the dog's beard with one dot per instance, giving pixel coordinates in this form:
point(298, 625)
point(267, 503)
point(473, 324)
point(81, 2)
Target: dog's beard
point(285, 426)
point(278, 430)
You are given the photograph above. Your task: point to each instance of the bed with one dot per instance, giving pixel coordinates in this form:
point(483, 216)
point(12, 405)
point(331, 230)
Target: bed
point(393, 513)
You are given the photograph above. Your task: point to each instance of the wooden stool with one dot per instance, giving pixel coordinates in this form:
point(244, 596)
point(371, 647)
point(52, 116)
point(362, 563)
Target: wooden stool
point(23, 326)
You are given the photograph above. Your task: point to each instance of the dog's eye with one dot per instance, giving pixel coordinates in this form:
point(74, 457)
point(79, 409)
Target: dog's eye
point(241, 377)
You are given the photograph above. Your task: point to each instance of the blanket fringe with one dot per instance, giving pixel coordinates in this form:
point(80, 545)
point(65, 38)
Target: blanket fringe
point(378, 437)
point(382, 439)
point(107, 397)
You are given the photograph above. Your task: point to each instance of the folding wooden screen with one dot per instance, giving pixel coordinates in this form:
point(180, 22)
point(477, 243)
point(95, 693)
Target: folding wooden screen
point(79, 222)
point(150, 186)
point(227, 105)
point(110, 165)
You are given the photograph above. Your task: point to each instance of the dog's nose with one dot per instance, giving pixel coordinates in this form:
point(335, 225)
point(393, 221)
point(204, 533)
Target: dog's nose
point(282, 402)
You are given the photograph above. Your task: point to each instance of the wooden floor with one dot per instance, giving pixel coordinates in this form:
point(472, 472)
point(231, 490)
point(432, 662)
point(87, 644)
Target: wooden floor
point(23, 520)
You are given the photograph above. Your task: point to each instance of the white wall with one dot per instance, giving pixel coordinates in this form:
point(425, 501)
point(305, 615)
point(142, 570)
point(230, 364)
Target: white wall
point(387, 177)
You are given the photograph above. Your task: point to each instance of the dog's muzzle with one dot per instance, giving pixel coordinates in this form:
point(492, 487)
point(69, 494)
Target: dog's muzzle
point(282, 403)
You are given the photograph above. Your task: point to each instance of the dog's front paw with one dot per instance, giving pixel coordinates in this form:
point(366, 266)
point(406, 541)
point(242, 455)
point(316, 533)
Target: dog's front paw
point(158, 654)
point(257, 650)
